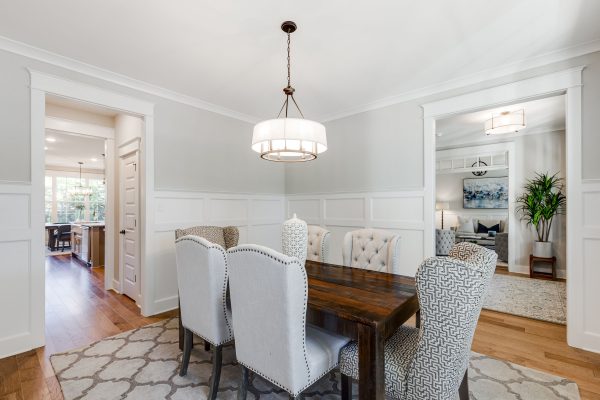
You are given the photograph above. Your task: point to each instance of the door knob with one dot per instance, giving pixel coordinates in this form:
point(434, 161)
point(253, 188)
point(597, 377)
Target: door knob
point(122, 232)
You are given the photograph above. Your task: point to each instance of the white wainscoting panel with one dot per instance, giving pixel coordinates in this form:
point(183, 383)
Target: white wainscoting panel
point(20, 284)
point(589, 295)
point(401, 212)
point(258, 218)
point(591, 275)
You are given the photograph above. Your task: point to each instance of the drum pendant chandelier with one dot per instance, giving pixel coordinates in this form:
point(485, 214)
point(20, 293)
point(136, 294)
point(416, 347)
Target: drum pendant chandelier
point(289, 139)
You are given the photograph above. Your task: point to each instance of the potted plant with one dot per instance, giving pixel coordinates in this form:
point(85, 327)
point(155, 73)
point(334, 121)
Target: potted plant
point(542, 200)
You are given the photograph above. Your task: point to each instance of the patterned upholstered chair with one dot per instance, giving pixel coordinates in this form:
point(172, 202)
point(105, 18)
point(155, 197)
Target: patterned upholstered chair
point(431, 362)
point(225, 237)
point(372, 249)
point(202, 277)
point(318, 244)
point(272, 338)
point(444, 240)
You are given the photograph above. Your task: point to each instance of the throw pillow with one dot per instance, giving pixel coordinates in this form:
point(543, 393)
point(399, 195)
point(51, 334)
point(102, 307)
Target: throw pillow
point(465, 224)
point(485, 227)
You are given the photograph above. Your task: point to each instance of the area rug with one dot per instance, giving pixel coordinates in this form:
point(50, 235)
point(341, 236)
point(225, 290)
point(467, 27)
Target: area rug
point(144, 364)
point(532, 298)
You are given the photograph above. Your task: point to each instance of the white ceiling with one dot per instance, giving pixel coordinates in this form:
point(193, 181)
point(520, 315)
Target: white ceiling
point(67, 150)
point(345, 54)
point(543, 115)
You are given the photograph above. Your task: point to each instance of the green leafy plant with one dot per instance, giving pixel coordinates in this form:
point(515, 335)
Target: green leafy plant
point(542, 200)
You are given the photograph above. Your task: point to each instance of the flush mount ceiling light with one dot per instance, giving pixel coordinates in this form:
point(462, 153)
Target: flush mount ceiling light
point(80, 189)
point(289, 139)
point(506, 122)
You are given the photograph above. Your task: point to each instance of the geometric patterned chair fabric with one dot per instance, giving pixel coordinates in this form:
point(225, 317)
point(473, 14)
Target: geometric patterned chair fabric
point(373, 249)
point(431, 362)
point(269, 294)
point(202, 278)
point(444, 240)
point(225, 237)
point(318, 244)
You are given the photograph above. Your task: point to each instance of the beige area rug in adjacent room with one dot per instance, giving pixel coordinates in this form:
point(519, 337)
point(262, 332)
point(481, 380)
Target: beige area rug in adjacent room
point(144, 364)
point(532, 298)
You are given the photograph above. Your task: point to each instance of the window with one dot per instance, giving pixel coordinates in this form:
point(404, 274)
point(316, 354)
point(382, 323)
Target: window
point(63, 207)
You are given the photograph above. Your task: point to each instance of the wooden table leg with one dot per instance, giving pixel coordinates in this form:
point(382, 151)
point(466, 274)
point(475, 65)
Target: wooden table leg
point(371, 373)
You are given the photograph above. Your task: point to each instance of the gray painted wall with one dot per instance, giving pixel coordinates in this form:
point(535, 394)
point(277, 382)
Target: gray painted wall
point(194, 149)
point(382, 150)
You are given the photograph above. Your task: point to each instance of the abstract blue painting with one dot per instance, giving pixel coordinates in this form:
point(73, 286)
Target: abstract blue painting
point(485, 192)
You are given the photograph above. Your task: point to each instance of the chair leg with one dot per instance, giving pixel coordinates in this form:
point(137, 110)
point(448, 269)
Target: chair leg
point(216, 372)
point(346, 387)
point(463, 390)
point(243, 389)
point(187, 351)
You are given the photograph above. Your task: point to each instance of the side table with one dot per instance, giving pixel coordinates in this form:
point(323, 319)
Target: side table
point(548, 260)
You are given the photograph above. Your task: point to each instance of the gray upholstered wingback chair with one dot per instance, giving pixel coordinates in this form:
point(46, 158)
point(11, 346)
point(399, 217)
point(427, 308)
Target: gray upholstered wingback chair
point(501, 245)
point(271, 335)
point(431, 362)
point(444, 240)
point(373, 249)
point(202, 277)
point(318, 244)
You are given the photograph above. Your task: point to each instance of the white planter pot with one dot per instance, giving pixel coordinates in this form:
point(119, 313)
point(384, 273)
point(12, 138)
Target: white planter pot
point(295, 238)
point(542, 249)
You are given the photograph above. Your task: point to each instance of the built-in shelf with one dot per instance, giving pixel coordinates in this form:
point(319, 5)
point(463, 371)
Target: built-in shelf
point(472, 163)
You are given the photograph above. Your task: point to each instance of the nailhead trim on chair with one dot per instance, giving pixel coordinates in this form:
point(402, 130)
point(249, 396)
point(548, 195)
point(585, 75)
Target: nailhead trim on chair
point(296, 262)
point(194, 239)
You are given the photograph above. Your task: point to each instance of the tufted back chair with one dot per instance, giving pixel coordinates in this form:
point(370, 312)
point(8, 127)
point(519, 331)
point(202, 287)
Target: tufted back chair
point(202, 277)
point(451, 292)
point(444, 240)
point(372, 249)
point(318, 244)
point(225, 237)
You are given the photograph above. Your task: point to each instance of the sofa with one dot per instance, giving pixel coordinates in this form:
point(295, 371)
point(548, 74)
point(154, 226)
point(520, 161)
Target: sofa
point(470, 226)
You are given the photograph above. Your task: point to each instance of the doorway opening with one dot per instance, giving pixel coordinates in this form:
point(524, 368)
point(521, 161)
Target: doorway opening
point(479, 180)
point(91, 192)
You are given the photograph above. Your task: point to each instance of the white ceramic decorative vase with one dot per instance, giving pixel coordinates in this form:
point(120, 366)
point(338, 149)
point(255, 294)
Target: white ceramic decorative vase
point(542, 249)
point(295, 238)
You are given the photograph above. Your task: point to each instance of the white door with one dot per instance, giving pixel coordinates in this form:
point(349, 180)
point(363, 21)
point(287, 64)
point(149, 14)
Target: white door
point(129, 232)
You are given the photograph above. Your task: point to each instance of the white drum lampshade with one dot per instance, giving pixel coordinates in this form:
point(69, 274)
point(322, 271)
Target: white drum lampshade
point(289, 139)
point(506, 122)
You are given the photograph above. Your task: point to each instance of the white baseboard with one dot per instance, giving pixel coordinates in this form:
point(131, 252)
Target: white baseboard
point(165, 304)
point(116, 286)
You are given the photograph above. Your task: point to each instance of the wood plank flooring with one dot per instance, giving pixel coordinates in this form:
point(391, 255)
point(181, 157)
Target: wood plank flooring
point(79, 311)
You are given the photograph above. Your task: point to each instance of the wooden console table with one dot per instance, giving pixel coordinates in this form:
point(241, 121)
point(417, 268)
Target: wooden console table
point(548, 260)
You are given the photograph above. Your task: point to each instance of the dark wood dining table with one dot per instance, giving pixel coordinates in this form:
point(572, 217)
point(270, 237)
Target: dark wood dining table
point(366, 306)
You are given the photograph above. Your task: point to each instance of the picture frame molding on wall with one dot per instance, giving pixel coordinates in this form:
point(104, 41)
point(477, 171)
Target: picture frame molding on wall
point(472, 204)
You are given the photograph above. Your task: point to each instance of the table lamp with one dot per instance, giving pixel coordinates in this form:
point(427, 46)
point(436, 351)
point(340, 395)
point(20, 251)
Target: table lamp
point(441, 206)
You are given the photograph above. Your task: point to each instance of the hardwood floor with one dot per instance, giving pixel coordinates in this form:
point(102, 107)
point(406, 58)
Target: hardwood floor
point(79, 311)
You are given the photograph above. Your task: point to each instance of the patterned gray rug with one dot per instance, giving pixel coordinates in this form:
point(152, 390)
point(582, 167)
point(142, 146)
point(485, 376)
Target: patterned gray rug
point(532, 298)
point(143, 364)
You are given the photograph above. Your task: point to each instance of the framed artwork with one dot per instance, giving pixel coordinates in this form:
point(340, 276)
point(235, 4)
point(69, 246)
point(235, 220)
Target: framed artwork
point(485, 192)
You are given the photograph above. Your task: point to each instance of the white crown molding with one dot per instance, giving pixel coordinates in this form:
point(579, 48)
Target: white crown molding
point(23, 49)
point(479, 77)
point(36, 53)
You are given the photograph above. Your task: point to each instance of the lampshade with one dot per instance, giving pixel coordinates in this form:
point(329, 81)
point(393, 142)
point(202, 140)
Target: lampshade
point(442, 205)
point(289, 139)
point(506, 122)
